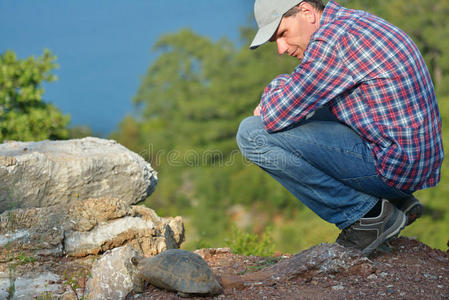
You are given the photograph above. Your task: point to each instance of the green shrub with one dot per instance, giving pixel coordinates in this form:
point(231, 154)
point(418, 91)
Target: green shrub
point(245, 243)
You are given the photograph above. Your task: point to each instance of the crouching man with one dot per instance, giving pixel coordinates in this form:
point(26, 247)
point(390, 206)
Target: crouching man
point(355, 129)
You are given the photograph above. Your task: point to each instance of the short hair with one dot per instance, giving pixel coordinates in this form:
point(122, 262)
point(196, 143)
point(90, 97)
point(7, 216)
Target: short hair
point(317, 4)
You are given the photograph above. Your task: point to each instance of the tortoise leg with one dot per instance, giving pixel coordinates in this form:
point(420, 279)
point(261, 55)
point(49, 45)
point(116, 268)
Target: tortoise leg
point(183, 295)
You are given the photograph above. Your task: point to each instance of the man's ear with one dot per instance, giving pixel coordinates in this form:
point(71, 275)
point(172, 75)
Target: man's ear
point(308, 12)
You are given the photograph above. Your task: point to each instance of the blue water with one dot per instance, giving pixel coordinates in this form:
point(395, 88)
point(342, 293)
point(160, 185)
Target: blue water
point(104, 46)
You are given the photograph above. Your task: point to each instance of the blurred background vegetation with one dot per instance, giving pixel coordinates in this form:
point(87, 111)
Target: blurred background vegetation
point(188, 108)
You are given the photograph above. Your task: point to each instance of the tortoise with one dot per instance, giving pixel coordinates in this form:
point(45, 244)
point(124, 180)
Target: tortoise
point(178, 270)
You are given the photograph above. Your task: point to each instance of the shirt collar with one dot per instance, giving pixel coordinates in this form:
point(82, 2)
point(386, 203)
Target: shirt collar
point(330, 12)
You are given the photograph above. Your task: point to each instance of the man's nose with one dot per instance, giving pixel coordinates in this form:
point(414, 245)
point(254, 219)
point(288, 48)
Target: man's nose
point(282, 46)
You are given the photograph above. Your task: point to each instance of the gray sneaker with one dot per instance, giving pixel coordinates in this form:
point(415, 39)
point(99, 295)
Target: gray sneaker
point(412, 208)
point(368, 233)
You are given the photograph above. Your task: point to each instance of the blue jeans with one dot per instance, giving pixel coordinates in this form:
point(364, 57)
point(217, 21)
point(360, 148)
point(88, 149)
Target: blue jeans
point(323, 163)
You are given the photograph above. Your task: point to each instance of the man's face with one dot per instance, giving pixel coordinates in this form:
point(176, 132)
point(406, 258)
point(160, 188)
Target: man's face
point(293, 34)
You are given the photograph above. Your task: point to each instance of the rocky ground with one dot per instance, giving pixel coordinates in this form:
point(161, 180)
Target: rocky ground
point(412, 271)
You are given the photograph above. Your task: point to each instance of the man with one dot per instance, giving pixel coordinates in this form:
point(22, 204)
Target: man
point(355, 129)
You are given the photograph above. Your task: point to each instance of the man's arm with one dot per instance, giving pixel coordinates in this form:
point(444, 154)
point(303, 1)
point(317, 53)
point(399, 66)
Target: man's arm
point(319, 78)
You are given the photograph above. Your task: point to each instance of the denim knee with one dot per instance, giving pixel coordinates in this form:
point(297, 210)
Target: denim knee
point(252, 138)
point(245, 132)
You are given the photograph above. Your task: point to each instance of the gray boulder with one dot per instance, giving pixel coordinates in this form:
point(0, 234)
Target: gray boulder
point(87, 227)
point(48, 173)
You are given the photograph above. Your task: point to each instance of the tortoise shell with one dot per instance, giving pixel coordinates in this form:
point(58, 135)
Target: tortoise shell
point(179, 270)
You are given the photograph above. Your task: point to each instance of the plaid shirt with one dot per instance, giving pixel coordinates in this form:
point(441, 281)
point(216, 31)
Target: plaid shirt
point(375, 81)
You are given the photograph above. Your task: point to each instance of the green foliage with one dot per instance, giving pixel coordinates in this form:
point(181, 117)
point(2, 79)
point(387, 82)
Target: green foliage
point(190, 103)
point(192, 99)
point(23, 114)
point(302, 231)
point(24, 259)
point(245, 243)
point(192, 95)
point(128, 134)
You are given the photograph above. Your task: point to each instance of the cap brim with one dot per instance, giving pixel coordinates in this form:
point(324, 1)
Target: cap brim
point(264, 34)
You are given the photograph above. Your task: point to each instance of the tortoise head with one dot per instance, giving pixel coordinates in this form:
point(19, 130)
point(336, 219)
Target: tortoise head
point(141, 262)
point(135, 260)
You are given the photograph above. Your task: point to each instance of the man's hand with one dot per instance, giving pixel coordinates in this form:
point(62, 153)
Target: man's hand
point(256, 111)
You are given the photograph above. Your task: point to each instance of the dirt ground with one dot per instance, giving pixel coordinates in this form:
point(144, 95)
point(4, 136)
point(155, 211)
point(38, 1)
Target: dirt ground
point(412, 271)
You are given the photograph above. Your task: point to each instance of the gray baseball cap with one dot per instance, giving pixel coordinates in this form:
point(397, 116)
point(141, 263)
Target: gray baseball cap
point(268, 15)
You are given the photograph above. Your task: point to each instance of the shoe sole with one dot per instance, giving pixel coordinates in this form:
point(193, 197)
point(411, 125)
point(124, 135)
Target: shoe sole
point(394, 230)
point(413, 212)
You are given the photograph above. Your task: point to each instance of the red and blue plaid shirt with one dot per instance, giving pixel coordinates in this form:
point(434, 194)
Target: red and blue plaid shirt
point(375, 81)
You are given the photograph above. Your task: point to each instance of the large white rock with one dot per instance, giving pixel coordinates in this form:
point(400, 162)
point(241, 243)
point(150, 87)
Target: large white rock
point(48, 173)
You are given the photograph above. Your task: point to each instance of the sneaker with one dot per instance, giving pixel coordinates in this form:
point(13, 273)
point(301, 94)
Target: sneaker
point(412, 208)
point(368, 233)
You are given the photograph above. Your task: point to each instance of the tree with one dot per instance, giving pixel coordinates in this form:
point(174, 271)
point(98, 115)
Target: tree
point(196, 92)
point(191, 102)
point(128, 134)
point(23, 114)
